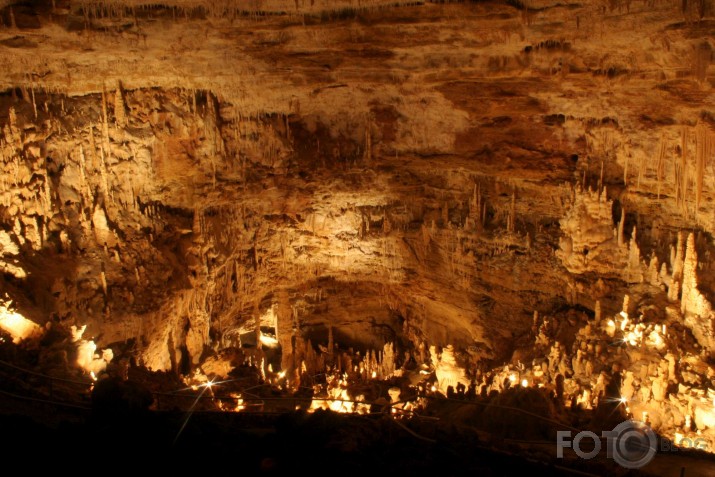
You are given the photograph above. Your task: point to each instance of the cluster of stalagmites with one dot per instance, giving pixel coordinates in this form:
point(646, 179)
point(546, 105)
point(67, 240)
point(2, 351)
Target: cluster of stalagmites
point(339, 378)
point(592, 244)
point(646, 363)
point(642, 360)
point(655, 362)
point(652, 362)
point(653, 369)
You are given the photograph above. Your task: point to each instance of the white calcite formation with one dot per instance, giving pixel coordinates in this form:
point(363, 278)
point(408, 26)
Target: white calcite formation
point(17, 326)
point(448, 373)
point(696, 309)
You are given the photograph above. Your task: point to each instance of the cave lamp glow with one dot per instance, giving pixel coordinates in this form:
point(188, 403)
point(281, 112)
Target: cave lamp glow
point(19, 327)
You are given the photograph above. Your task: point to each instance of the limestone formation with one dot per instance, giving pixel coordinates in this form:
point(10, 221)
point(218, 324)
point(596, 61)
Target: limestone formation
point(696, 308)
point(326, 195)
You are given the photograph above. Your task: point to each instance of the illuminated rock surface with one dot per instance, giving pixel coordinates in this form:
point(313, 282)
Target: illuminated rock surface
point(448, 194)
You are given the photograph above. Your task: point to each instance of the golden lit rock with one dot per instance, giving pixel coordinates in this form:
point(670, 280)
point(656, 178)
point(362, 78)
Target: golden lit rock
point(366, 207)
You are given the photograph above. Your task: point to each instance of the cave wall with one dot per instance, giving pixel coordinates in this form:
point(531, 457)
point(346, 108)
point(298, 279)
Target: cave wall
point(428, 172)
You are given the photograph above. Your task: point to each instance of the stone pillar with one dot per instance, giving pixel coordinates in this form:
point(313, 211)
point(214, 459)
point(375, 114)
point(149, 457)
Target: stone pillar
point(284, 331)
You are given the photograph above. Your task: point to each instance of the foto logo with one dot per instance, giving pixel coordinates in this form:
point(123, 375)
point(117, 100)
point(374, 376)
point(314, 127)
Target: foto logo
point(631, 444)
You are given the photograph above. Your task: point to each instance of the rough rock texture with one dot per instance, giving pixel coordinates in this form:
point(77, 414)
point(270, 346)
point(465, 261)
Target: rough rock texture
point(349, 174)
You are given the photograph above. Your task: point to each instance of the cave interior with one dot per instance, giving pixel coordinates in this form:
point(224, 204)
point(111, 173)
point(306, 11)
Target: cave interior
point(405, 235)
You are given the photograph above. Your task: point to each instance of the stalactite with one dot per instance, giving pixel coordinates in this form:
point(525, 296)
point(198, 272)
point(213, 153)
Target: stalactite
point(621, 225)
point(34, 103)
point(331, 342)
point(105, 121)
point(92, 147)
point(386, 224)
point(700, 159)
point(104, 178)
point(85, 191)
point(641, 164)
point(660, 164)
point(120, 114)
point(367, 154)
point(683, 177)
point(47, 196)
point(475, 206)
point(511, 220)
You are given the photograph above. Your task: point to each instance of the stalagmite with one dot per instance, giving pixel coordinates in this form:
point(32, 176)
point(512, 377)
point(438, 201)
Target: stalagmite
point(695, 307)
point(653, 271)
point(634, 259)
point(689, 281)
point(677, 266)
point(284, 331)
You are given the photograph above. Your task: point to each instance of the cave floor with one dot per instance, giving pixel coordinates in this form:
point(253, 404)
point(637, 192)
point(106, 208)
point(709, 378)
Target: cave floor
point(296, 442)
